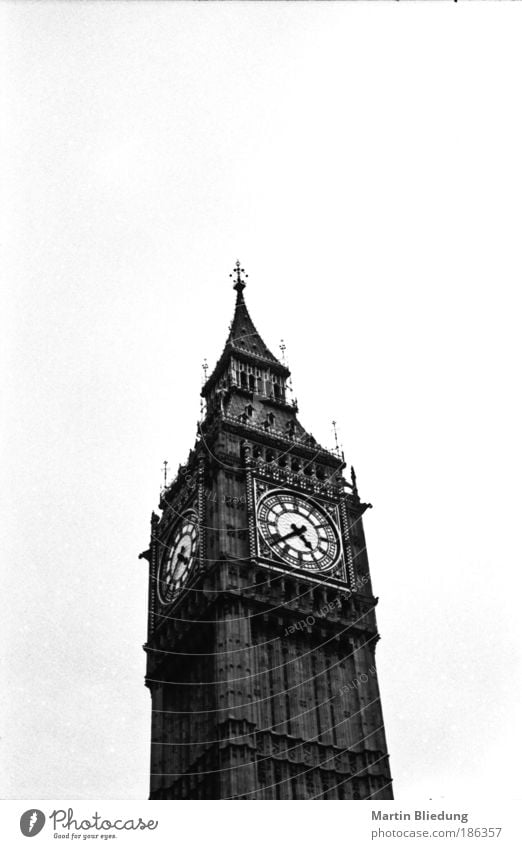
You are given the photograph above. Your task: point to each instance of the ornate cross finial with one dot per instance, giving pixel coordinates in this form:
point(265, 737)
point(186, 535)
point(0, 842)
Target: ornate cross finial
point(205, 369)
point(165, 469)
point(239, 284)
point(282, 348)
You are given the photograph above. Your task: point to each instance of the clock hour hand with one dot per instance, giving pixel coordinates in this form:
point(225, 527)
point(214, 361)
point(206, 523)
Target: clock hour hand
point(181, 556)
point(295, 532)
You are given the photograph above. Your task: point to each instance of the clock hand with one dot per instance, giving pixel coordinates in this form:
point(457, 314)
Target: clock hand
point(301, 533)
point(181, 556)
point(294, 532)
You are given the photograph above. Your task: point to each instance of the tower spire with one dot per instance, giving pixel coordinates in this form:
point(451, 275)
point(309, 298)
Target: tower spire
point(240, 284)
point(244, 341)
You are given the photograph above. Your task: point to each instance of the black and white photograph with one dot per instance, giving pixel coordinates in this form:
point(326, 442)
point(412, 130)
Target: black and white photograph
point(261, 426)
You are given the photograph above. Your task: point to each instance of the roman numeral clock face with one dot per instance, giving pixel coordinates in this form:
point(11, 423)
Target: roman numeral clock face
point(299, 531)
point(178, 557)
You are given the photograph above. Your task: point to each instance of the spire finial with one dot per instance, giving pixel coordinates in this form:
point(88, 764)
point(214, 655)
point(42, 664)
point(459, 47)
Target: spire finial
point(165, 472)
point(354, 482)
point(239, 284)
point(335, 434)
point(338, 448)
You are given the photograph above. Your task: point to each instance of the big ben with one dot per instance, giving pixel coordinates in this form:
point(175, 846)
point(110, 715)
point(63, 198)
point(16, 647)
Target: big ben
point(261, 626)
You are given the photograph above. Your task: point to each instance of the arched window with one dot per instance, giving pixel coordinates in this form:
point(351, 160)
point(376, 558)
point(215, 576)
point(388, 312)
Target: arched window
point(251, 383)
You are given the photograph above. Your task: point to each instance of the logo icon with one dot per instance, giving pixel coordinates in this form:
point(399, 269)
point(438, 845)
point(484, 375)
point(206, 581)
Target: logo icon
point(32, 822)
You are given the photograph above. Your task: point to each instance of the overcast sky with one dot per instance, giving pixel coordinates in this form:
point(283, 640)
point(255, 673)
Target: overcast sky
point(363, 162)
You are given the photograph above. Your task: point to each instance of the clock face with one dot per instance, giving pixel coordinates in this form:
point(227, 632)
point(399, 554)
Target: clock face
point(178, 557)
point(299, 530)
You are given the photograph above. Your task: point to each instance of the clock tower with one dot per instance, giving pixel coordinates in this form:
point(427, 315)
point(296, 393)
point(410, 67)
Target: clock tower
point(261, 627)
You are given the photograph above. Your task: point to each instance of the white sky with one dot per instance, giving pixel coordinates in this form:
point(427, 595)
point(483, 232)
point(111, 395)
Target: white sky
point(363, 161)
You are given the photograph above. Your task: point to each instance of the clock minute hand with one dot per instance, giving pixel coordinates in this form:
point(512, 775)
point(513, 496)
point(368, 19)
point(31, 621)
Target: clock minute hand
point(181, 556)
point(293, 533)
